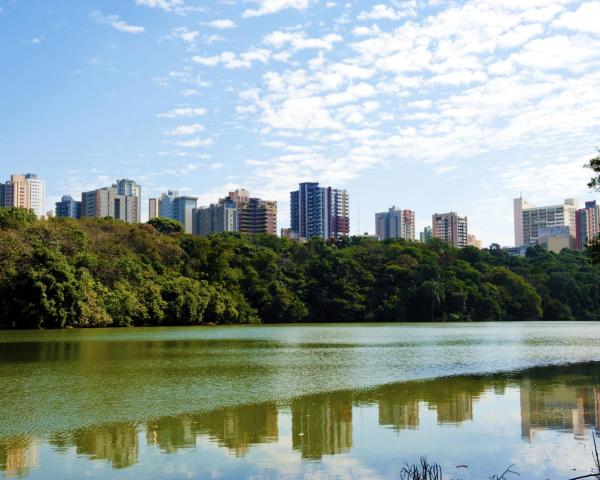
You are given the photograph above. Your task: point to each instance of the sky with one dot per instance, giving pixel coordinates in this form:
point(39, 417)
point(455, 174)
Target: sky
point(429, 105)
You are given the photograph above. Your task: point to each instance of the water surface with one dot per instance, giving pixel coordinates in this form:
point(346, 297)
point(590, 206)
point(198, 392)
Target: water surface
point(299, 402)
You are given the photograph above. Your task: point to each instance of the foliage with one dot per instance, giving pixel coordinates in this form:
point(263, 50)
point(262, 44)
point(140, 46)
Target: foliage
point(594, 165)
point(166, 226)
point(11, 217)
point(100, 272)
point(593, 247)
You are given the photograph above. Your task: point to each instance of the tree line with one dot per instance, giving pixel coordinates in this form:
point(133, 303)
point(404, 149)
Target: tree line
point(62, 273)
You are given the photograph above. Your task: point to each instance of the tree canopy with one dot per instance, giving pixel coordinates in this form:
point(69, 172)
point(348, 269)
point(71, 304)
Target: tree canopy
point(100, 272)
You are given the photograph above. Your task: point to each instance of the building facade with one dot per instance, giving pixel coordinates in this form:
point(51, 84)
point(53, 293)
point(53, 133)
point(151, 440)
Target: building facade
point(153, 208)
point(183, 211)
point(555, 238)
point(530, 219)
point(218, 218)
point(395, 223)
point(130, 188)
point(425, 235)
point(587, 222)
point(319, 212)
point(257, 216)
point(171, 205)
point(25, 191)
point(450, 228)
point(238, 212)
point(106, 202)
point(473, 241)
point(68, 208)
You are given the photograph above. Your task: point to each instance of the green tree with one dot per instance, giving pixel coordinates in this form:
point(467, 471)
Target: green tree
point(166, 226)
point(594, 165)
point(12, 218)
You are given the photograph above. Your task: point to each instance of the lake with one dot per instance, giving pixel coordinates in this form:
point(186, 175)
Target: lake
point(312, 401)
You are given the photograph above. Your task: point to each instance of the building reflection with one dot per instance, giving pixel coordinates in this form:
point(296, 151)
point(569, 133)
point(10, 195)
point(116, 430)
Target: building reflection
point(451, 399)
point(116, 443)
point(562, 407)
point(233, 428)
point(18, 456)
point(565, 399)
point(322, 425)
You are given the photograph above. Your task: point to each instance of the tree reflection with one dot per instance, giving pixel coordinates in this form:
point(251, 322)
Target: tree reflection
point(565, 399)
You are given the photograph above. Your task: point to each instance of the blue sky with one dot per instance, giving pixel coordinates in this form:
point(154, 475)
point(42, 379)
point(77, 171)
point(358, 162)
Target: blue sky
point(430, 105)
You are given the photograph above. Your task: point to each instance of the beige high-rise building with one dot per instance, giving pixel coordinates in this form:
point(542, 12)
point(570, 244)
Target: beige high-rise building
point(26, 191)
point(529, 220)
point(451, 228)
point(153, 210)
point(473, 241)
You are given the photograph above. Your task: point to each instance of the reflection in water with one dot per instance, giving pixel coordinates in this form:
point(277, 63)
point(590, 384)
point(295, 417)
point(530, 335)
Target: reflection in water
point(233, 428)
point(322, 425)
point(563, 399)
point(559, 407)
point(19, 456)
point(116, 443)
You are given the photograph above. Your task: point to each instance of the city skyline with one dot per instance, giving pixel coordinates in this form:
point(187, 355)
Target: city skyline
point(434, 106)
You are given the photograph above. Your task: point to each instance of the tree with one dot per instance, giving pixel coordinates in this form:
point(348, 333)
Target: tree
point(593, 247)
point(12, 218)
point(594, 165)
point(166, 226)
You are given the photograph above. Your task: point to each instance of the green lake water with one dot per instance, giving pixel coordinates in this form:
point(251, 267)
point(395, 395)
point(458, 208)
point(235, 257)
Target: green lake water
point(313, 401)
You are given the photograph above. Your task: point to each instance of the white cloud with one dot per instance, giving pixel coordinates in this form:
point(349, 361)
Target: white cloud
point(221, 24)
point(266, 7)
point(232, 60)
point(585, 19)
point(384, 12)
point(195, 143)
point(299, 40)
point(167, 5)
point(186, 130)
point(183, 112)
point(116, 22)
point(182, 33)
point(559, 52)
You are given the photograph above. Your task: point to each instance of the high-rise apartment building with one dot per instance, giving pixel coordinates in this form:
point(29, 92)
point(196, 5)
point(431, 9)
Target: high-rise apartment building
point(171, 205)
point(587, 224)
point(425, 235)
point(25, 191)
point(473, 241)
point(257, 216)
point(319, 212)
point(451, 228)
point(530, 219)
point(555, 238)
point(130, 188)
point(153, 205)
point(107, 202)
point(218, 218)
point(238, 212)
point(339, 212)
point(183, 211)
point(68, 208)
point(395, 223)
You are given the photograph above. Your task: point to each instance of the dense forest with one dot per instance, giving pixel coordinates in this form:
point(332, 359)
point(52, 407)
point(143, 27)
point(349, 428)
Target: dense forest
point(100, 272)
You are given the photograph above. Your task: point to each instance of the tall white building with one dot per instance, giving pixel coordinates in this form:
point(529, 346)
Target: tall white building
point(530, 220)
point(26, 191)
point(395, 223)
